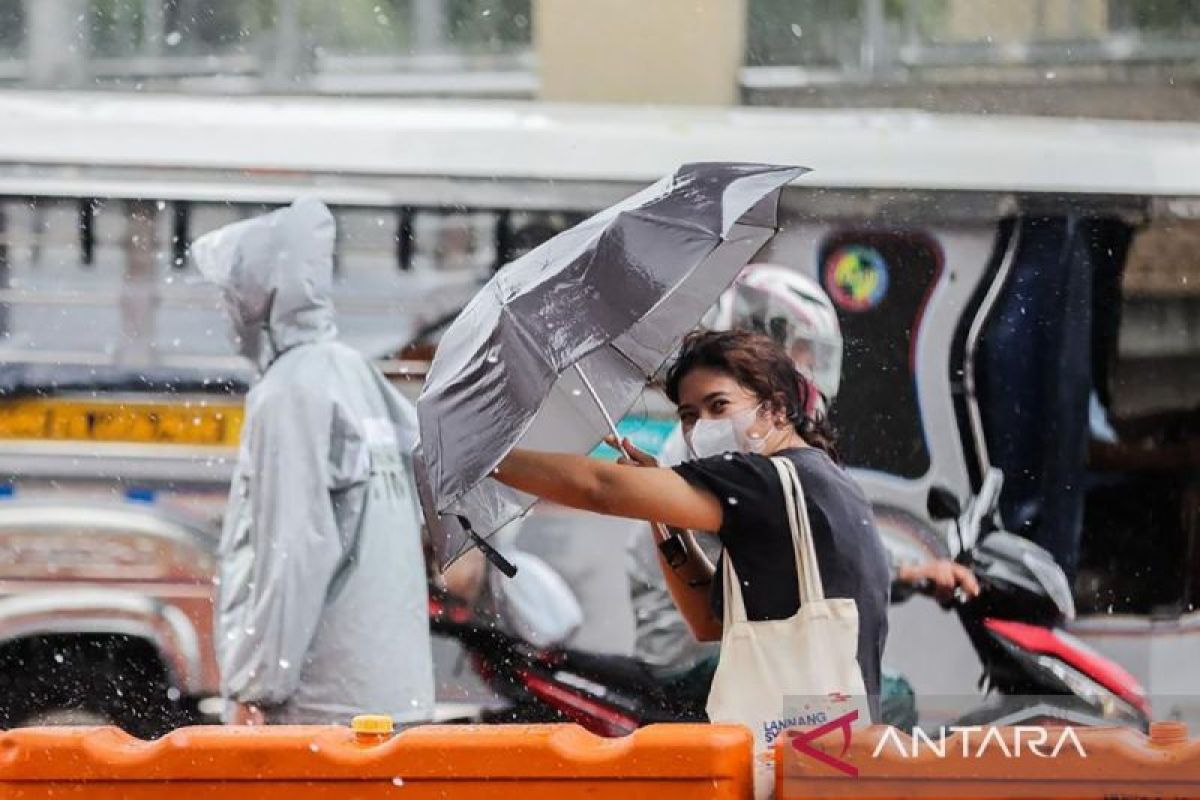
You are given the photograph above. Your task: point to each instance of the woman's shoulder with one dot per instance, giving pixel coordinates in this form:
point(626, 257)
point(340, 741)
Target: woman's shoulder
point(815, 465)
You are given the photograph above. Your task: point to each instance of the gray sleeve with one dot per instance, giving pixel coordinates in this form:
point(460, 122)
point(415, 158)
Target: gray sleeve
point(296, 545)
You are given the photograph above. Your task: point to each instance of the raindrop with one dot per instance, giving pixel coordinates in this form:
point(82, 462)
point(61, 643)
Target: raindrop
point(160, 204)
point(398, 782)
point(733, 501)
point(284, 663)
point(487, 12)
point(249, 630)
point(797, 31)
point(576, 392)
point(173, 38)
point(316, 748)
point(58, 658)
point(493, 358)
point(1051, 75)
point(173, 694)
point(728, 456)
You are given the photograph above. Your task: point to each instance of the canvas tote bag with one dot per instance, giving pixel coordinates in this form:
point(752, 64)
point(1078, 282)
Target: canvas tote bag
point(796, 672)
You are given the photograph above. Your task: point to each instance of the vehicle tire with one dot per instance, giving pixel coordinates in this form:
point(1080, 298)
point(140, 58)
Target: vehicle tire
point(87, 680)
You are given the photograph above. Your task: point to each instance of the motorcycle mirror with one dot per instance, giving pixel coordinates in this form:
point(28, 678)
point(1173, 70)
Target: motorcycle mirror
point(942, 504)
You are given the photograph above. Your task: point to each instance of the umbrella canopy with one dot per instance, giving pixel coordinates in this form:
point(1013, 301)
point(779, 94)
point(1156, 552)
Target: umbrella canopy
point(571, 332)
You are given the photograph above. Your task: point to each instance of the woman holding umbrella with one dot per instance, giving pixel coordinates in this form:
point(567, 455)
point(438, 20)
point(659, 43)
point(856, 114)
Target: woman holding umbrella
point(743, 407)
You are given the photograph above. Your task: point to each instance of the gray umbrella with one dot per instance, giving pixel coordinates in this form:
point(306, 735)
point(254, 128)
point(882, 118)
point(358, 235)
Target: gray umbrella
point(565, 338)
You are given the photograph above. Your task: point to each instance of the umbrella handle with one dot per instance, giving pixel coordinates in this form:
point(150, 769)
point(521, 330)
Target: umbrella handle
point(490, 553)
point(661, 534)
point(612, 426)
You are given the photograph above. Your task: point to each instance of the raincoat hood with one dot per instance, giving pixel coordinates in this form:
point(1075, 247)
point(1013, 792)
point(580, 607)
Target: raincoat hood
point(275, 272)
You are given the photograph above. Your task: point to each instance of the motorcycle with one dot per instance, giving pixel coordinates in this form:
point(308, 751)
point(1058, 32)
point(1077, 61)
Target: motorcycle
point(607, 694)
point(1033, 671)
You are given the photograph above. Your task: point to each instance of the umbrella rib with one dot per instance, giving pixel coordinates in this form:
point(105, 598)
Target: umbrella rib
point(650, 216)
point(630, 361)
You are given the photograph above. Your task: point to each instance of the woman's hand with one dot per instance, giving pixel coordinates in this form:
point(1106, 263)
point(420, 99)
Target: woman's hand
point(630, 455)
point(941, 577)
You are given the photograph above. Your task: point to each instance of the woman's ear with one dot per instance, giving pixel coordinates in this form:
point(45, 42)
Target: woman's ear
point(778, 410)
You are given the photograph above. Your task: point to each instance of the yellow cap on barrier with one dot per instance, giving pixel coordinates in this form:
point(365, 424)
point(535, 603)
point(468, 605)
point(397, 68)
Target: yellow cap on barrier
point(372, 728)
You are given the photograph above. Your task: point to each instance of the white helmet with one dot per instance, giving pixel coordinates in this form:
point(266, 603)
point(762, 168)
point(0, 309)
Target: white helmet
point(793, 310)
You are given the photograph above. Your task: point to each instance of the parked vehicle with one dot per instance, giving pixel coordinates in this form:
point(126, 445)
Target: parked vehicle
point(1033, 670)
point(105, 616)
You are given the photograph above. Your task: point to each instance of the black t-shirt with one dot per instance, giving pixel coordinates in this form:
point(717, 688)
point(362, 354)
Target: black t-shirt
point(756, 535)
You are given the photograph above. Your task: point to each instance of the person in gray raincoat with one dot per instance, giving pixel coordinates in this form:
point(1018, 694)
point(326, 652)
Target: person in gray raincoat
point(322, 608)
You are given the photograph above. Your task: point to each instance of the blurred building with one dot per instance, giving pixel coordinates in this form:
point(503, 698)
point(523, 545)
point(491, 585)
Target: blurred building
point(1107, 58)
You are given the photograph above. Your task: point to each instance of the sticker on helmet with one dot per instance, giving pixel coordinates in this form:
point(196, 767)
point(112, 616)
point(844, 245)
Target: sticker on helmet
point(856, 277)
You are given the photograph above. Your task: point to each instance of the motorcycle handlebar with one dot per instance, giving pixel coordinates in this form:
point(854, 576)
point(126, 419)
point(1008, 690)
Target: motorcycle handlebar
point(959, 598)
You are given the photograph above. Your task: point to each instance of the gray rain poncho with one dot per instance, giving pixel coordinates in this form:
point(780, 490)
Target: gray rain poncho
point(322, 606)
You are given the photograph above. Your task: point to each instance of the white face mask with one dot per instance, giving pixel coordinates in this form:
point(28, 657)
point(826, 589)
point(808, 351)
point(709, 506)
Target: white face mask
point(731, 434)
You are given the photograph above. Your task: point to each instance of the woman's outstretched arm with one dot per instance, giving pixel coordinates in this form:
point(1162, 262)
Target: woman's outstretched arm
point(641, 492)
point(652, 494)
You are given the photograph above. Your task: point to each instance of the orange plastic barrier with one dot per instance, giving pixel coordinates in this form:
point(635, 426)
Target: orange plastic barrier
point(331, 763)
point(1016, 762)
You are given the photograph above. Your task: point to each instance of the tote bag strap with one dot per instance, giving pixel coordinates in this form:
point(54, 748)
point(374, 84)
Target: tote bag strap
point(808, 571)
point(734, 606)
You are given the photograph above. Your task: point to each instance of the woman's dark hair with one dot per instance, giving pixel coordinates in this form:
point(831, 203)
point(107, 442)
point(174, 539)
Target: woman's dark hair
point(759, 364)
